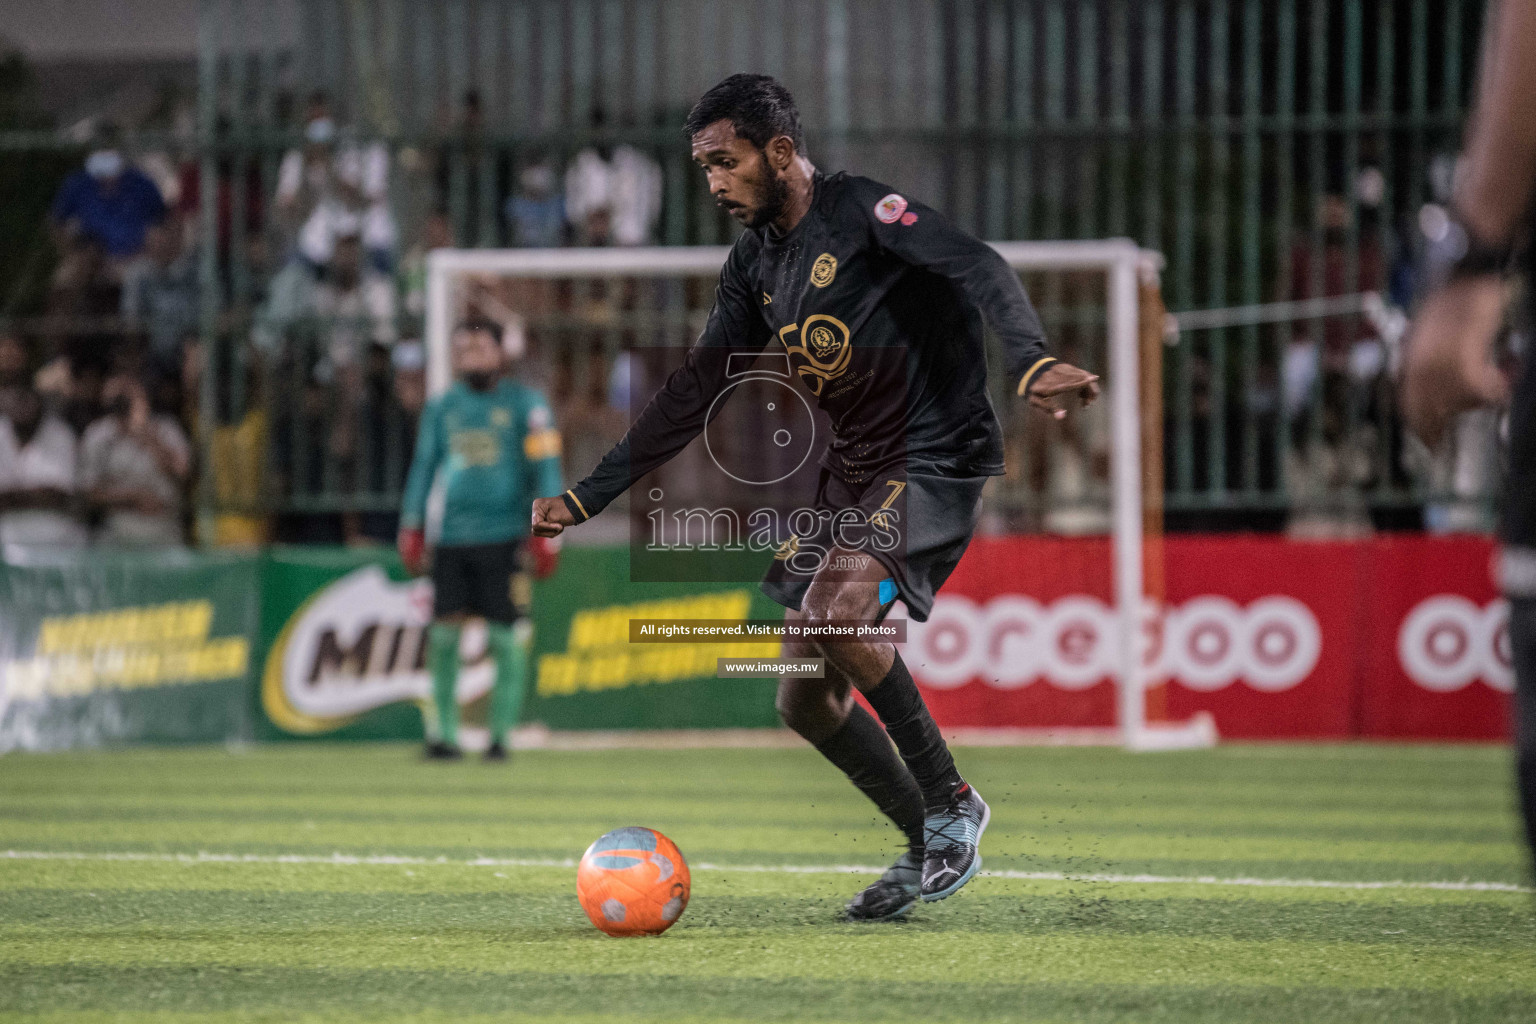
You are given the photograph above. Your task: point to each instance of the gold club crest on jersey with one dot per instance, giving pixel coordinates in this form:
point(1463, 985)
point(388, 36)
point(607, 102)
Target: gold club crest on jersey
point(823, 270)
point(825, 345)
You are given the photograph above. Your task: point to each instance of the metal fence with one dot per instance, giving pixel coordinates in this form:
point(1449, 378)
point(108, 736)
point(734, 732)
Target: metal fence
point(1273, 151)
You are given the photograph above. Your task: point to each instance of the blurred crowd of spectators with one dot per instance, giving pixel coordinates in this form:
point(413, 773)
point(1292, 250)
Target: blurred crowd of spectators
point(87, 459)
point(320, 266)
point(1318, 421)
point(320, 259)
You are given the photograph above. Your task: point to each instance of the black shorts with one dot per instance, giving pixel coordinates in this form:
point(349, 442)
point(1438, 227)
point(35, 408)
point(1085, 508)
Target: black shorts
point(1517, 569)
point(1520, 490)
point(484, 580)
point(916, 525)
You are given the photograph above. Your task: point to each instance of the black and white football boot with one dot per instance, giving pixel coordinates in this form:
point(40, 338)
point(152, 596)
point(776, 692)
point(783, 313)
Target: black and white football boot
point(893, 894)
point(952, 833)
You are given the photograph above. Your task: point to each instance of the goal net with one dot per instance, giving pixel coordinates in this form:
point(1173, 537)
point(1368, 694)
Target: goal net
point(1051, 626)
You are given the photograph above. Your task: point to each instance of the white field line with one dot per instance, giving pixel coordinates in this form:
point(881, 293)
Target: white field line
point(393, 860)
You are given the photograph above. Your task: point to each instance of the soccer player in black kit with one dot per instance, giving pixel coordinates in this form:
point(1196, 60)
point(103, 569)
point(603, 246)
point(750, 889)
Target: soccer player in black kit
point(878, 302)
point(1449, 366)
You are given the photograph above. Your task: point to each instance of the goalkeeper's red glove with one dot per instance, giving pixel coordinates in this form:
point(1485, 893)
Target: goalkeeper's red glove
point(413, 549)
point(546, 554)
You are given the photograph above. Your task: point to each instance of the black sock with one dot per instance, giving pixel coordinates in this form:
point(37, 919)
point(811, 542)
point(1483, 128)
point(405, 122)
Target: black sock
point(1525, 778)
point(864, 752)
point(1522, 638)
point(917, 737)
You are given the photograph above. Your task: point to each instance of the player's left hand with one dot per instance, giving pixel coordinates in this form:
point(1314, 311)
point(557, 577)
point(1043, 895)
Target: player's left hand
point(546, 555)
point(1448, 368)
point(1062, 386)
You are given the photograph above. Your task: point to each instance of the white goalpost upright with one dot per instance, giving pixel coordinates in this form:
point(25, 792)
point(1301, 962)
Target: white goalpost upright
point(1124, 265)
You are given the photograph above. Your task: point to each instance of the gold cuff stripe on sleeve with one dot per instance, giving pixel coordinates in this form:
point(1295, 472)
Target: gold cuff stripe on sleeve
point(579, 505)
point(1029, 375)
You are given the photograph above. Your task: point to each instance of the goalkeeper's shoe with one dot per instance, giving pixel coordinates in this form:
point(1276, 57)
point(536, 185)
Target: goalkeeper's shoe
point(951, 834)
point(437, 750)
point(893, 894)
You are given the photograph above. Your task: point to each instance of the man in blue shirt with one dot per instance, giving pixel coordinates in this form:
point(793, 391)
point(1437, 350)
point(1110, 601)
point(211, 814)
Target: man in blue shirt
point(109, 203)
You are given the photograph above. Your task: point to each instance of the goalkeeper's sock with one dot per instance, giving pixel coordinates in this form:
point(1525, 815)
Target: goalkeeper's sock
point(864, 752)
point(443, 661)
point(917, 736)
point(509, 650)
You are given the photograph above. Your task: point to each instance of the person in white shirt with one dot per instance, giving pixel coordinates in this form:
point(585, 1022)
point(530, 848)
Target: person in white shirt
point(332, 190)
point(613, 198)
point(37, 477)
point(355, 307)
point(133, 464)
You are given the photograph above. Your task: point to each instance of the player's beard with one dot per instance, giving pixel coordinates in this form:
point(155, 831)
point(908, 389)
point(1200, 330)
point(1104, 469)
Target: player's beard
point(480, 380)
point(772, 197)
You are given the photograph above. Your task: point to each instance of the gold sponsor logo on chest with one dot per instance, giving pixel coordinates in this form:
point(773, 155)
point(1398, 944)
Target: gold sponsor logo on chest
point(476, 447)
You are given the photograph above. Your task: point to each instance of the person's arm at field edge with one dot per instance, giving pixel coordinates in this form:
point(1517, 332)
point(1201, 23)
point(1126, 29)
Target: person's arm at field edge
point(1449, 368)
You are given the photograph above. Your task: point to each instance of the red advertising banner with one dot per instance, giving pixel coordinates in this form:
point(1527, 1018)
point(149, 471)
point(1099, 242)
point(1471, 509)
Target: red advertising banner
point(1263, 634)
point(1275, 638)
point(1435, 642)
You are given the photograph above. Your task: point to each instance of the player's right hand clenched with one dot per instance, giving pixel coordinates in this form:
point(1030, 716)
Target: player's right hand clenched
point(551, 516)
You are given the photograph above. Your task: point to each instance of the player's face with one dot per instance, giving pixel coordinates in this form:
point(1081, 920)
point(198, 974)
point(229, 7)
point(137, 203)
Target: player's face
point(476, 356)
point(740, 178)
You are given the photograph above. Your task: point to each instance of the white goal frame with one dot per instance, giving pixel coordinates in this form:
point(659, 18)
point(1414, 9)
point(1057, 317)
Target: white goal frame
point(1124, 264)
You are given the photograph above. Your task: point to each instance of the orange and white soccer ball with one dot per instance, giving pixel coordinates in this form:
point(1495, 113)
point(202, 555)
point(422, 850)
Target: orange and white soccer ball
point(633, 881)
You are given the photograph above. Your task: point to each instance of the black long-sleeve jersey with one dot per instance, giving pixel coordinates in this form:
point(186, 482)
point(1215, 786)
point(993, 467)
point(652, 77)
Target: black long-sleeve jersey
point(878, 301)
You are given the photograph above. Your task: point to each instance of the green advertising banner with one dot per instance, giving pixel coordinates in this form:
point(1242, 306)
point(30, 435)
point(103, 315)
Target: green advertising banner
point(589, 676)
point(328, 643)
point(101, 648)
point(344, 636)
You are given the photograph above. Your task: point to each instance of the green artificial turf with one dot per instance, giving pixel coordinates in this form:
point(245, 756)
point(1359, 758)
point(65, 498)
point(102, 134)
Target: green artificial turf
point(452, 898)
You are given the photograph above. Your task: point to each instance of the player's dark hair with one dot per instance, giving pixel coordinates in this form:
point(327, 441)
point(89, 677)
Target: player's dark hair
point(475, 324)
point(758, 107)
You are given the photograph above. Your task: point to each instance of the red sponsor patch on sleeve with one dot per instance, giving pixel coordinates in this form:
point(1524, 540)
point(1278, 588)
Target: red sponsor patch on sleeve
point(890, 209)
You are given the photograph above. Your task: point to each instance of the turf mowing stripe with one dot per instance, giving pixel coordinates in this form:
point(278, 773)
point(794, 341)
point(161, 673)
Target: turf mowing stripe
point(390, 860)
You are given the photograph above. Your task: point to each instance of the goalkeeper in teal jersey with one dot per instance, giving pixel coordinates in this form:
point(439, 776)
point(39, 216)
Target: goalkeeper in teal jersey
point(494, 442)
